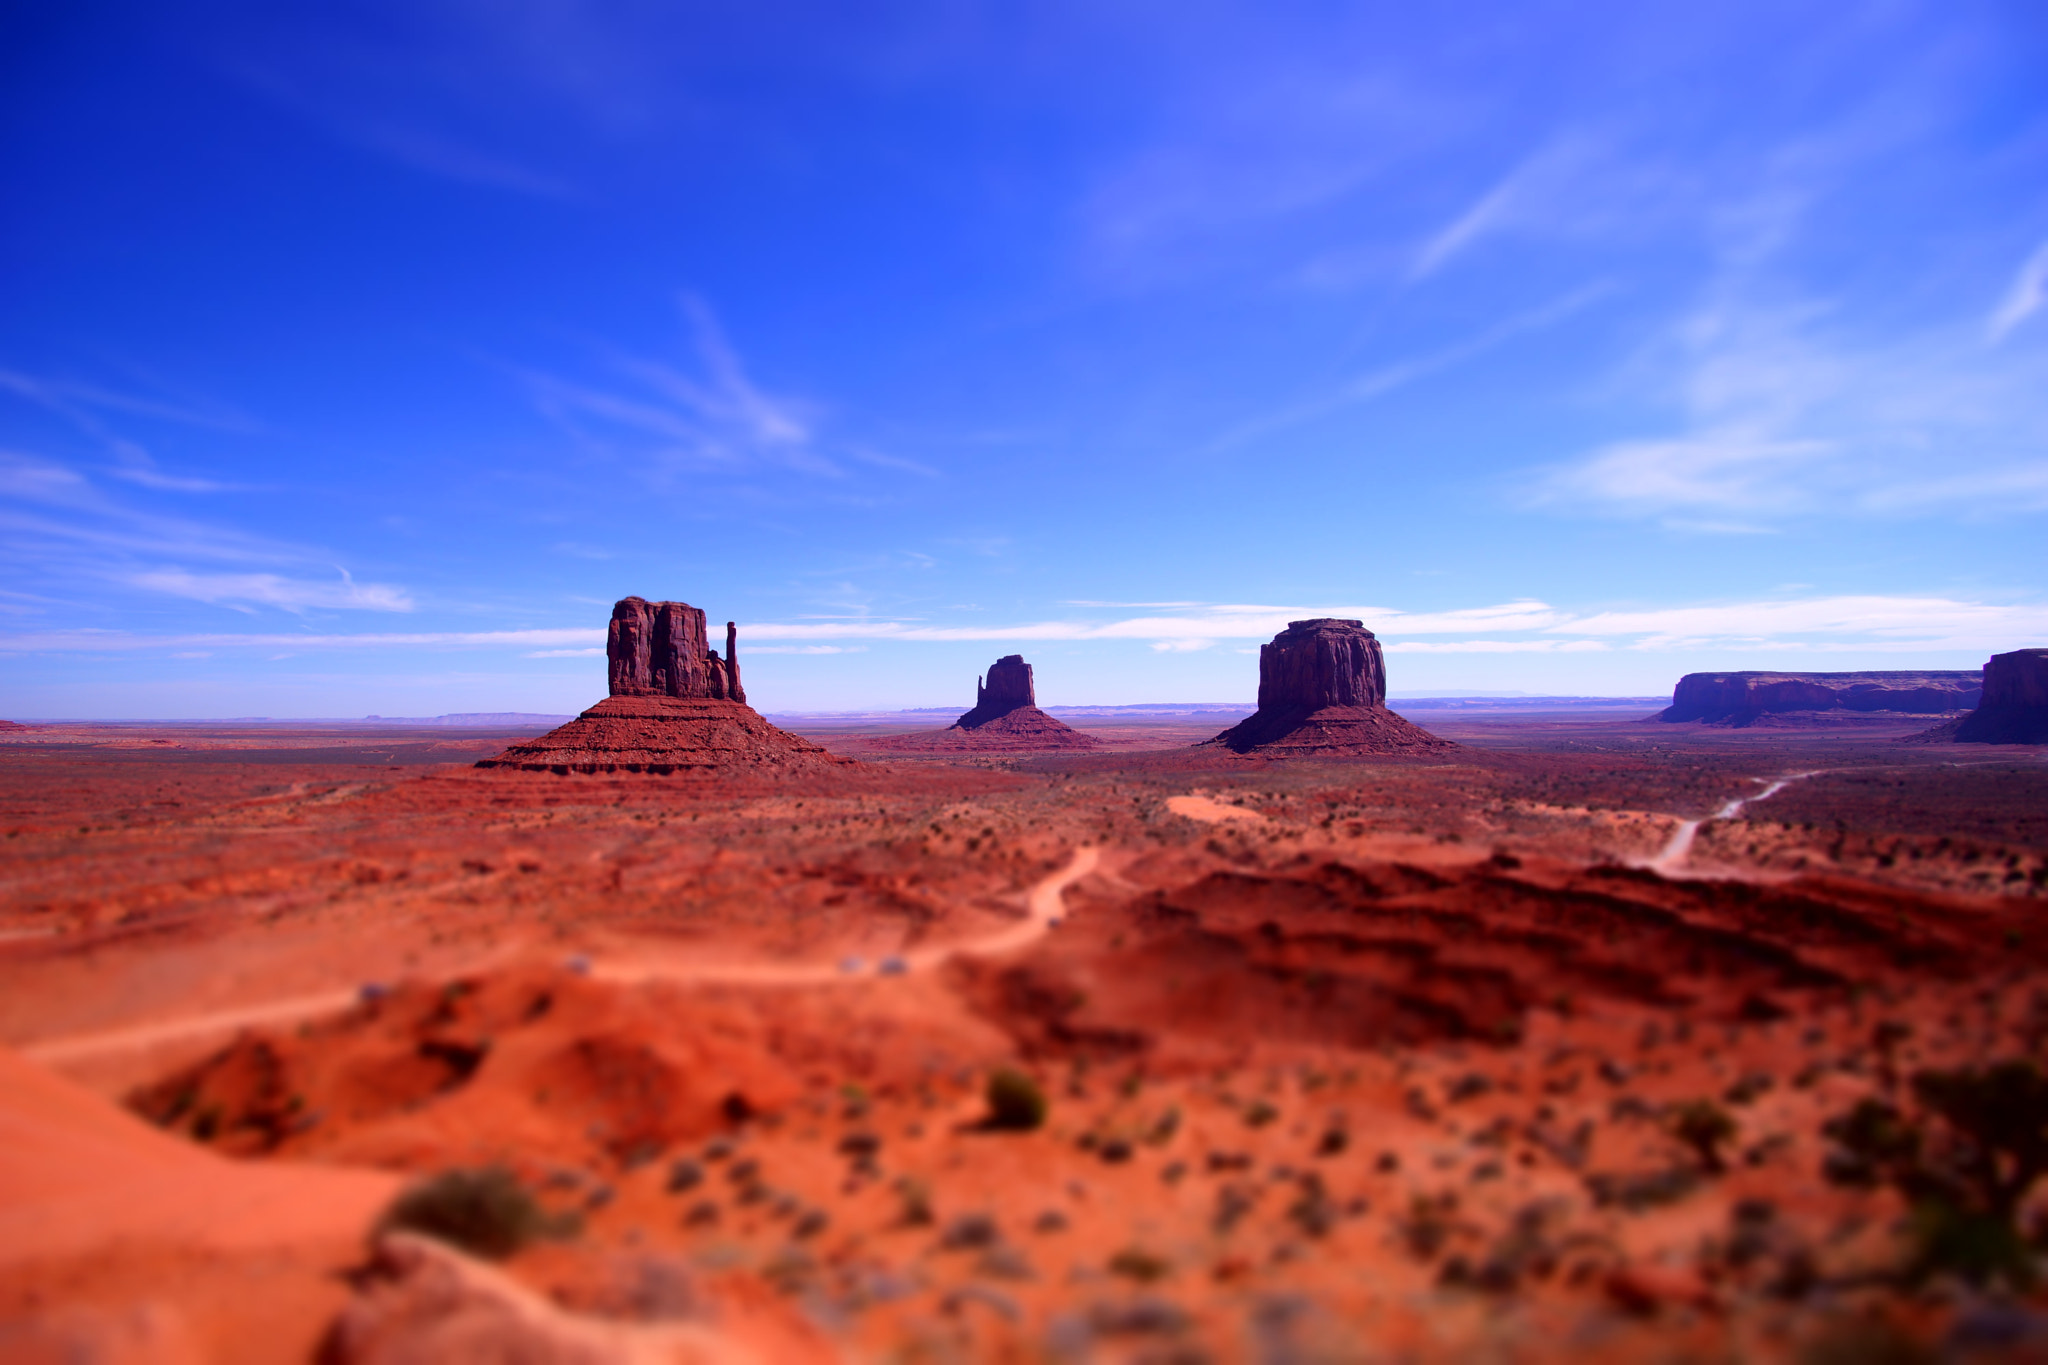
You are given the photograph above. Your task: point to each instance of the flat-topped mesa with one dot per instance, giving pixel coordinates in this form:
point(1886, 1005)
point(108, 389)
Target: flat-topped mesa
point(2014, 709)
point(662, 649)
point(1743, 699)
point(1323, 692)
point(675, 706)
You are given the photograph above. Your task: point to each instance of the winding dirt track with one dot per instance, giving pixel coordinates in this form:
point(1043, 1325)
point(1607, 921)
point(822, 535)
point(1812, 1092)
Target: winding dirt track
point(1678, 849)
point(1043, 909)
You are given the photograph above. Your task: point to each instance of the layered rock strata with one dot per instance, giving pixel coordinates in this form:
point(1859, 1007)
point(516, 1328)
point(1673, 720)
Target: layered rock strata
point(1323, 693)
point(2014, 708)
point(1740, 699)
point(1005, 718)
point(675, 706)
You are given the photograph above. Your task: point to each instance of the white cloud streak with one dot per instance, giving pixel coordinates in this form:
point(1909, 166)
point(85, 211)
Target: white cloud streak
point(1885, 624)
point(58, 525)
point(2024, 299)
point(1385, 379)
point(580, 638)
point(1783, 413)
point(1468, 226)
point(274, 590)
point(709, 416)
point(82, 406)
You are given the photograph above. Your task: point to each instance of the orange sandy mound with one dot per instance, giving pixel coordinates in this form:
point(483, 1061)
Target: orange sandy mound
point(665, 735)
point(157, 1250)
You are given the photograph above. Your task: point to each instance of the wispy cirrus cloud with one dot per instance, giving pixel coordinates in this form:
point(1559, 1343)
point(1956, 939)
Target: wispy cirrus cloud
point(62, 530)
point(275, 590)
point(1885, 623)
point(706, 415)
point(578, 641)
point(1182, 629)
point(1497, 646)
point(86, 408)
point(1849, 621)
point(1784, 410)
point(1385, 379)
point(2029, 290)
point(1827, 624)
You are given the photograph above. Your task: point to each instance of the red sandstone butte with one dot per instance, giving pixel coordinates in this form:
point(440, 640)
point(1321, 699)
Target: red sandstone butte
point(1323, 694)
point(675, 706)
point(1005, 719)
point(2015, 705)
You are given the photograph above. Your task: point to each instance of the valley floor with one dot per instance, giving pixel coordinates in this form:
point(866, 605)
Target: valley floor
point(1495, 1056)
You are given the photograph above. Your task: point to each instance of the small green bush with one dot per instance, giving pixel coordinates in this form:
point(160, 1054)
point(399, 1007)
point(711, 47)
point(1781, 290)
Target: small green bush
point(1015, 1101)
point(1965, 1162)
point(1703, 1126)
point(485, 1212)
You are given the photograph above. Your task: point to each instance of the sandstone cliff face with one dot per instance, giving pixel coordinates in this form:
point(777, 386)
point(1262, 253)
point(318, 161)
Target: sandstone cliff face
point(1322, 693)
point(661, 649)
point(1740, 699)
point(2015, 705)
point(1324, 662)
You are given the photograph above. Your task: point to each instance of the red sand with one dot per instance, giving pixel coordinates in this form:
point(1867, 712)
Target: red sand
point(1367, 1058)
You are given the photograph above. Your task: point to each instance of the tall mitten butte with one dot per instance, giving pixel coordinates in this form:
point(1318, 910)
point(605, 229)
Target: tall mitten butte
point(675, 706)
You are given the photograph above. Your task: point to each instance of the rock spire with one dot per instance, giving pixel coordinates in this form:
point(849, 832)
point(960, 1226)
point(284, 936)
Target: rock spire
point(1323, 692)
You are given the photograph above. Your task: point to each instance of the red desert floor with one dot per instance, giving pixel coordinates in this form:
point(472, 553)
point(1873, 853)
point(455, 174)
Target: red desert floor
point(1469, 1057)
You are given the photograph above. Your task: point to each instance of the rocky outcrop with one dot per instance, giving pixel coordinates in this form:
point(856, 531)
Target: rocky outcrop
point(2014, 708)
point(1322, 693)
point(675, 707)
point(1005, 719)
point(660, 649)
point(1741, 699)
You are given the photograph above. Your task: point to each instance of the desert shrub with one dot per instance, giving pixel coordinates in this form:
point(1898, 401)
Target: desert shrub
point(1703, 1126)
point(486, 1212)
point(1015, 1101)
point(1135, 1263)
point(1964, 1157)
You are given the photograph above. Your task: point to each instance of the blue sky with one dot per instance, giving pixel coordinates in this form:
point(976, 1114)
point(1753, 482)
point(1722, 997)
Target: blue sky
point(356, 357)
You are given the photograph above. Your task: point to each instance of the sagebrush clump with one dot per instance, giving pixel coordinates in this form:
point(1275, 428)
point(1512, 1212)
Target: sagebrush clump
point(1015, 1101)
point(485, 1212)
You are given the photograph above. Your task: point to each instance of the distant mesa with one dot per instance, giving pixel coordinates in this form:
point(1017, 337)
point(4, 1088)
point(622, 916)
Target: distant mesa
point(1323, 693)
point(675, 706)
point(12, 725)
point(1005, 719)
point(2014, 709)
point(1774, 699)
